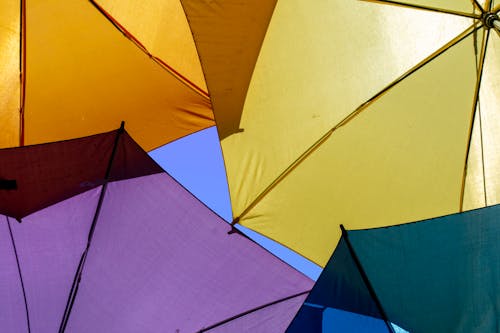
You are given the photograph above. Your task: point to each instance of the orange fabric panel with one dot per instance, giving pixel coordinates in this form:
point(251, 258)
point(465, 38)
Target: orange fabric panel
point(84, 77)
point(9, 73)
point(228, 35)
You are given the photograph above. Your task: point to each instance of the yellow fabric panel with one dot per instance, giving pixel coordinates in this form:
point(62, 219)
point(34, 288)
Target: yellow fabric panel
point(161, 26)
point(228, 35)
point(306, 80)
point(490, 124)
point(9, 73)
point(399, 160)
point(463, 6)
point(84, 77)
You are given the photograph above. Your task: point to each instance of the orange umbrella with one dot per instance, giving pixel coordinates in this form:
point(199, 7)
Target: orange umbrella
point(66, 71)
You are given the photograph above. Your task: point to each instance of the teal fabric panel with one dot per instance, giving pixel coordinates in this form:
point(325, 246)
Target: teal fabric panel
point(339, 286)
point(438, 275)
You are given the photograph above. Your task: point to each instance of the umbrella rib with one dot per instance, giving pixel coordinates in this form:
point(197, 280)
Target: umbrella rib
point(251, 311)
point(432, 9)
point(159, 61)
point(78, 275)
point(367, 282)
point(466, 33)
point(20, 275)
point(22, 71)
point(475, 104)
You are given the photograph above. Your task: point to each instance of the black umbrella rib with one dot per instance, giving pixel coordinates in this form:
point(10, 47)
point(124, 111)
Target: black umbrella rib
point(475, 111)
point(431, 9)
point(78, 275)
point(20, 275)
point(206, 329)
point(367, 282)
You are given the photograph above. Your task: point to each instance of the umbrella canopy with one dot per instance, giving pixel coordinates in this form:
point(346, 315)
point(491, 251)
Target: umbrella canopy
point(438, 275)
point(108, 242)
point(366, 113)
point(68, 70)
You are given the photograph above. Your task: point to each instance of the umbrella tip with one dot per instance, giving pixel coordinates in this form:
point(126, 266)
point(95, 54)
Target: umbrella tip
point(122, 125)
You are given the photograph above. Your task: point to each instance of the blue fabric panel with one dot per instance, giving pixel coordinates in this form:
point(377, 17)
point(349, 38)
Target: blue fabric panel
point(308, 319)
point(438, 275)
point(339, 286)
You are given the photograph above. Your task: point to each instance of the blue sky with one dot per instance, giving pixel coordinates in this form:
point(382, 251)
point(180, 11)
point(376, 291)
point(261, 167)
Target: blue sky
point(196, 162)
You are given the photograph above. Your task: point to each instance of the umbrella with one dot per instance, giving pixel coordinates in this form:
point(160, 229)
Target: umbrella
point(363, 113)
point(437, 275)
point(96, 237)
point(67, 71)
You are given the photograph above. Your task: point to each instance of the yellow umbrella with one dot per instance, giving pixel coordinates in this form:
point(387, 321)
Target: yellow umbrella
point(362, 113)
point(66, 71)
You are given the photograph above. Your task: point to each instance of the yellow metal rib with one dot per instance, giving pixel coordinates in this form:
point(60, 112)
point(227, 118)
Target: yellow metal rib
point(473, 115)
point(432, 9)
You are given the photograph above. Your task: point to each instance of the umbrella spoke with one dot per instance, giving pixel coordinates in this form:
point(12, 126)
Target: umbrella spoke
point(476, 111)
point(22, 71)
point(251, 311)
point(143, 48)
point(432, 9)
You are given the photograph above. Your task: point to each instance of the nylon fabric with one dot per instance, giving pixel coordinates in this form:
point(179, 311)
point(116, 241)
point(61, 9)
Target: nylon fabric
point(168, 251)
point(12, 311)
point(461, 6)
point(401, 159)
point(274, 318)
point(444, 275)
point(487, 149)
point(84, 76)
point(49, 244)
point(228, 35)
point(9, 73)
point(305, 85)
point(340, 286)
point(161, 26)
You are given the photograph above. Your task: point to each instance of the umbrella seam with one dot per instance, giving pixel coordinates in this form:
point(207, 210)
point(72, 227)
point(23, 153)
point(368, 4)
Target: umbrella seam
point(421, 7)
point(157, 60)
point(473, 116)
point(252, 310)
point(20, 275)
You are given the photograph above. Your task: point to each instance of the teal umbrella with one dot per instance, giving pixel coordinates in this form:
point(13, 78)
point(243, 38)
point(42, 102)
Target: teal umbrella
point(437, 275)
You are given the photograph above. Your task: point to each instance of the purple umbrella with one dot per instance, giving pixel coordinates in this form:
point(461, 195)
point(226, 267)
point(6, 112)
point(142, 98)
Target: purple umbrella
point(109, 242)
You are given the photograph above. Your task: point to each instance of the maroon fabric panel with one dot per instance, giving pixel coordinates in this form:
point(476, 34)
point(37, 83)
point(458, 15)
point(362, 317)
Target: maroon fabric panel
point(48, 173)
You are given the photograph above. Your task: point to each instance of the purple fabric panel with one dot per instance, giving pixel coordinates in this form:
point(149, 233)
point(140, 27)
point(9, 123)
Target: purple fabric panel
point(160, 261)
point(12, 310)
point(49, 244)
point(272, 319)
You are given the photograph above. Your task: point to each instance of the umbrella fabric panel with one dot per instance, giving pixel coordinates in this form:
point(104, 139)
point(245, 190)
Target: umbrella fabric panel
point(161, 26)
point(228, 35)
point(306, 81)
point(440, 275)
point(274, 318)
point(49, 245)
point(401, 158)
point(48, 173)
point(340, 286)
point(458, 6)
point(160, 258)
point(9, 69)
point(483, 189)
point(12, 308)
point(90, 77)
